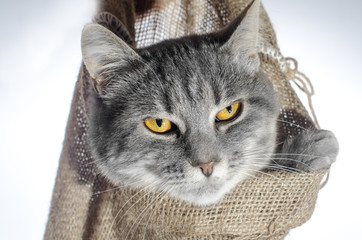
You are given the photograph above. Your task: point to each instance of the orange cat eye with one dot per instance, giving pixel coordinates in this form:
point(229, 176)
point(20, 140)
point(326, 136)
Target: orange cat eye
point(228, 113)
point(158, 125)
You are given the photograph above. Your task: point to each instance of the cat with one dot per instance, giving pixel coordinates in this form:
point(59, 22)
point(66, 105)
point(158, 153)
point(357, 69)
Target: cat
point(192, 116)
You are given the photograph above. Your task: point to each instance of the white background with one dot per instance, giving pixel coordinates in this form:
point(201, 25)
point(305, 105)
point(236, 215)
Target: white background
point(39, 62)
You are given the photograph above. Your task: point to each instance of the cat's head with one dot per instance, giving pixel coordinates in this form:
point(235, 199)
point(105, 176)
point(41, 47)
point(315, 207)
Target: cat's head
point(192, 117)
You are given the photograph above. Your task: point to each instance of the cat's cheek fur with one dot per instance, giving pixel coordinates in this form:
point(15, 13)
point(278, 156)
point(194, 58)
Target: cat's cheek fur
point(137, 175)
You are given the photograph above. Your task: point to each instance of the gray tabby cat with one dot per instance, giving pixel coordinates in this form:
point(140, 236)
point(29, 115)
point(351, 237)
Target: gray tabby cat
point(192, 116)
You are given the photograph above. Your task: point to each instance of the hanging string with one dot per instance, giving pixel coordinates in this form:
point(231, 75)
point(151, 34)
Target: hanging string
point(303, 83)
point(289, 66)
point(325, 180)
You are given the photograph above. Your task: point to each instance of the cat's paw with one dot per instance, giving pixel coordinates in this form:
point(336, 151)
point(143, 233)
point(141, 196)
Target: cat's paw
point(311, 150)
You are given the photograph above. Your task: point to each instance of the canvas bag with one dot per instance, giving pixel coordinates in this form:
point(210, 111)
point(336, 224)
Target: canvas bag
point(87, 206)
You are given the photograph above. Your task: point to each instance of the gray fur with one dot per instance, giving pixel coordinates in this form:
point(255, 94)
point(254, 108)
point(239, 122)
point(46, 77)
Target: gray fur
point(310, 150)
point(187, 81)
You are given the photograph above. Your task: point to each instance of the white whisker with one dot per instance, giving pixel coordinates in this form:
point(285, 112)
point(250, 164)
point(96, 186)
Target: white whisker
point(128, 200)
point(143, 213)
point(154, 210)
point(293, 124)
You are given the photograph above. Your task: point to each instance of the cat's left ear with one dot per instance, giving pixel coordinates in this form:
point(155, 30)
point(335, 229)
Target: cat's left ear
point(243, 43)
point(103, 53)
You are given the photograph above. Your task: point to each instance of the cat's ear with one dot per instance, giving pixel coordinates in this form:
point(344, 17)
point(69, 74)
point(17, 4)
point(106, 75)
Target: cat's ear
point(103, 53)
point(243, 43)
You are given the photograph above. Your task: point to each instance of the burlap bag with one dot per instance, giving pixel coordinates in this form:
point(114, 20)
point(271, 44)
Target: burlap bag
point(86, 206)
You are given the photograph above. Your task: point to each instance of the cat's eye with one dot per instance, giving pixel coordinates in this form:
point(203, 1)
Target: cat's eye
point(229, 112)
point(158, 125)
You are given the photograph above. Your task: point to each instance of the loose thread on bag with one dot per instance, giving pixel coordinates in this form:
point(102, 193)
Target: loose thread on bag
point(325, 180)
point(303, 83)
point(289, 66)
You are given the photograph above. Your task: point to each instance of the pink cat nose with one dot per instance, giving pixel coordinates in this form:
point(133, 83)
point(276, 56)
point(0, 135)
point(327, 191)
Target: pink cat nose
point(207, 168)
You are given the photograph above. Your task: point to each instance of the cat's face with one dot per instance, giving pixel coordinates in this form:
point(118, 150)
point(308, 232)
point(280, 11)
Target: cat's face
point(192, 117)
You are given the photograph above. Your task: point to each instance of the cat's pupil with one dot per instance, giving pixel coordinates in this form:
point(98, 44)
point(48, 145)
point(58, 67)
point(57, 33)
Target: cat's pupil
point(159, 122)
point(229, 109)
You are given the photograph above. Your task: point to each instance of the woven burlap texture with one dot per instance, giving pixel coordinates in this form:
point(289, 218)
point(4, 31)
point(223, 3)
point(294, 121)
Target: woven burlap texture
point(267, 206)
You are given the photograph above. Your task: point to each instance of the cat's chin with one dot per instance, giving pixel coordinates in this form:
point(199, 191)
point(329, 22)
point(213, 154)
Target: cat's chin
point(204, 195)
point(202, 199)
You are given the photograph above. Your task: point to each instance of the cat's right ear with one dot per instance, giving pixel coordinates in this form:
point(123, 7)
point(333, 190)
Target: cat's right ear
point(103, 53)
